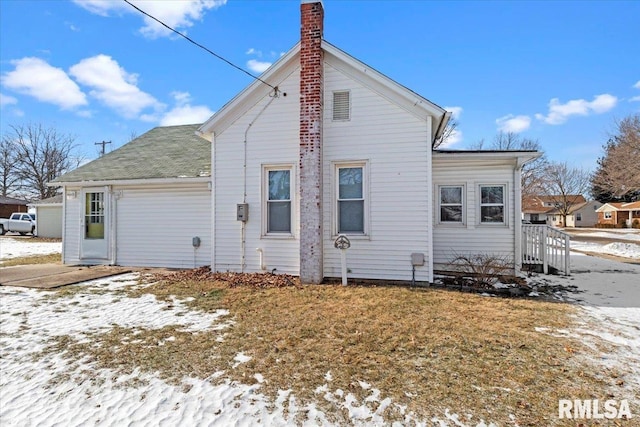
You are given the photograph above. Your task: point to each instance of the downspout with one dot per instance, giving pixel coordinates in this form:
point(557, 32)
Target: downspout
point(517, 185)
point(430, 203)
point(243, 232)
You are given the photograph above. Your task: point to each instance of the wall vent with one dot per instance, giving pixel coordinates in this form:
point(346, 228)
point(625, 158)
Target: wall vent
point(341, 105)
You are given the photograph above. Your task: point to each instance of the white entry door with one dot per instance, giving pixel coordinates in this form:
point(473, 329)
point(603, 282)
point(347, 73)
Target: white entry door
point(95, 224)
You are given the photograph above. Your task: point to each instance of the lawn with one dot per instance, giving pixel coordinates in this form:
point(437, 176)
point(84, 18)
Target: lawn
point(427, 351)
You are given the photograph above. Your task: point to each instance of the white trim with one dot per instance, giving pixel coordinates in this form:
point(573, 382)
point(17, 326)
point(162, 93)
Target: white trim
point(463, 203)
point(504, 204)
point(430, 204)
point(264, 191)
point(336, 165)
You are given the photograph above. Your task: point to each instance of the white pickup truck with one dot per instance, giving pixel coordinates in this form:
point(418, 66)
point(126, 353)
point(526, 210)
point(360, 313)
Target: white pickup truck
point(19, 222)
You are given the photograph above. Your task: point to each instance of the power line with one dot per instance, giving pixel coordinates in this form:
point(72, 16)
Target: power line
point(201, 46)
point(103, 143)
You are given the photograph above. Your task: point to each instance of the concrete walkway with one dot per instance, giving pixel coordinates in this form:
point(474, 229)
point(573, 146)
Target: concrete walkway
point(48, 276)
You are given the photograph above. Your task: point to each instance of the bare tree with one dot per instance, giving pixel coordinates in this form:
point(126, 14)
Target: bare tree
point(562, 183)
point(41, 155)
point(618, 175)
point(446, 135)
point(9, 179)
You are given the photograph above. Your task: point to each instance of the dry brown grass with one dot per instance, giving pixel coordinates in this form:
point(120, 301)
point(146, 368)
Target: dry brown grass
point(32, 259)
point(427, 349)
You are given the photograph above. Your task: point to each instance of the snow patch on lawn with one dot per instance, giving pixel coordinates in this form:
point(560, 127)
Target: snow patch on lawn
point(627, 250)
point(15, 248)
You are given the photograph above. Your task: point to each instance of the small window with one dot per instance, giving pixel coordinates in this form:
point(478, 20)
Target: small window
point(492, 207)
point(94, 216)
point(341, 105)
point(607, 215)
point(578, 217)
point(351, 206)
point(278, 200)
point(451, 205)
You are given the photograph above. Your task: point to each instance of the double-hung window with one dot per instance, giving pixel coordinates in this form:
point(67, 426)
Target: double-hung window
point(451, 204)
point(278, 200)
point(351, 209)
point(608, 215)
point(492, 204)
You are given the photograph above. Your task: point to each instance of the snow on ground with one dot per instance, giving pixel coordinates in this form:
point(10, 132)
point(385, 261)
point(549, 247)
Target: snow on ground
point(609, 293)
point(617, 233)
point(52, 391)
point(14, 248)
point(627, 250)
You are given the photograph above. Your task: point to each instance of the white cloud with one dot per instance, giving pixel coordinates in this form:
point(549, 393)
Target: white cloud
point(454, 138)
point(455, 111)
point(113, 85)
point(258, 66)
point(515, 124)
point(560, 113)
point(179, 15)
point(7, 100)
point(252, 51)
point(637, 85)
point(36, 78)
point(184, 113)
point(635, 99)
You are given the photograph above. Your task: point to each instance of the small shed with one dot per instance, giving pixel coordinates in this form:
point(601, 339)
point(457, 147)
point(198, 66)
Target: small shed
point(48, 217)
point(9, 205)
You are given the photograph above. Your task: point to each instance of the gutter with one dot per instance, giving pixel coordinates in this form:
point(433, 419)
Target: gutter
point(141, 181)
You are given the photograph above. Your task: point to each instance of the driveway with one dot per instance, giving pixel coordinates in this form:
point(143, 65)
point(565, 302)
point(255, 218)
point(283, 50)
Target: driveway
point(48, 276)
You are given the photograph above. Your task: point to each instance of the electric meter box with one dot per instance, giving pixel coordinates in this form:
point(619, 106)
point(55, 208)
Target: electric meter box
point(242, 212)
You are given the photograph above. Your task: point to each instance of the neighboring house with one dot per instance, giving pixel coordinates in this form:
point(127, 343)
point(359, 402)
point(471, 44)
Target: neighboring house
point(616, 213)
point(9, 205)
point(335, 149)
point(579, 215)
point(544, 209)
point(48, 216)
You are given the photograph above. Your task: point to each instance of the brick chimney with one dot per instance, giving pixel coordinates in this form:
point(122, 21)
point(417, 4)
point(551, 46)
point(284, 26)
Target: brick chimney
point(311, 105)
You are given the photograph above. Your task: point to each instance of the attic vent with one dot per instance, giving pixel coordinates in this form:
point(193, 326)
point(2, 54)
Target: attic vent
point(341, 105)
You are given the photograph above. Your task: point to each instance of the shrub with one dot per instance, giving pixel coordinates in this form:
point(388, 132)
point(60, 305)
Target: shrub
point(636, 223)
point(483, 270)
point(606, 225)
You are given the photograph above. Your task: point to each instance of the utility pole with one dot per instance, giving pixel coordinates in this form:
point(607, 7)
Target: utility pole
point(103, 143)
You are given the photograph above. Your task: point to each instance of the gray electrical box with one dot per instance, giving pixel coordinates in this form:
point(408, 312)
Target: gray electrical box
point(242, 212)
point(195, 242)
point(417, 259)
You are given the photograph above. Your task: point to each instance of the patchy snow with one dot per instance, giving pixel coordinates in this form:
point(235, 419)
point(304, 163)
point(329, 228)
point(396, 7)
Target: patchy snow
point(51, 391)
point(14, 248)
point(627, 250)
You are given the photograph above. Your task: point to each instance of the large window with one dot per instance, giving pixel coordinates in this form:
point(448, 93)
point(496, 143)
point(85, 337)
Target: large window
point(451, 204)
point(351, 199)
point(278, 200)
point(492, 205)
point(94, 216)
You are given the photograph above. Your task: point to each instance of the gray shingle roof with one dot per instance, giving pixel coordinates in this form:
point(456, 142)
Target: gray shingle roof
point(163, 152)
point(51, 200)
point(11, 201)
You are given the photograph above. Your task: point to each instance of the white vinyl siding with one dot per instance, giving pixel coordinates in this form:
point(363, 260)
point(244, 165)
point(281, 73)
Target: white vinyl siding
point(474, 237)
point(272, 138)
point(155, 226)
point(394, 146)
point(72, 211)
point(49, 220)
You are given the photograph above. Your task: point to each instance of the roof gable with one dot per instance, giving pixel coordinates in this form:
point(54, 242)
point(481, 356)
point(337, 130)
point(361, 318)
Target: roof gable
point(289, 63)
point(163, 152)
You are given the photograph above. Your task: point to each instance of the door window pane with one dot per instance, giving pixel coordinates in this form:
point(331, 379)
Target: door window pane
point(94, 216)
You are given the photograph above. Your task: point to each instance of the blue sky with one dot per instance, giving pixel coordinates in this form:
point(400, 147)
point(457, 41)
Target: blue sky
point(559, 72)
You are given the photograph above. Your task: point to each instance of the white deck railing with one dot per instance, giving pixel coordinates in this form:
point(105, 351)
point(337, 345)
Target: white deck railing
point(546, 246)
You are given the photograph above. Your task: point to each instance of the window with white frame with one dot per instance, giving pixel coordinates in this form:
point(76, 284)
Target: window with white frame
point(277, 217)
point(350, 189)
point(451, 204)
point(492, 204)
point(578, 216)
point(608, 215)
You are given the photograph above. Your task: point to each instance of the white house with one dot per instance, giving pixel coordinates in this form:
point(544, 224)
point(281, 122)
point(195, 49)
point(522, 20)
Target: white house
point(328, 146)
